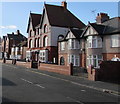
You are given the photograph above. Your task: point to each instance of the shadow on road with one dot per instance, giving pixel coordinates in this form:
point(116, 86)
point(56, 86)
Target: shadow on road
point(6, 82)
point(6, 100)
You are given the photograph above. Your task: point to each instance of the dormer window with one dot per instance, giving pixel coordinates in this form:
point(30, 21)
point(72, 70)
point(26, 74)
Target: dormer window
point(60, 37)
point(45, 28)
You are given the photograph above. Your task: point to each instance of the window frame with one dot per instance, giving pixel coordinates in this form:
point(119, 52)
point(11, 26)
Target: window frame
point(94, 58)
point(92, 42)
point(116, 40)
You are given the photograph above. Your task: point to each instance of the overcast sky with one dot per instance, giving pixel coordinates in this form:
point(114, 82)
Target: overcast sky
point(15, 14)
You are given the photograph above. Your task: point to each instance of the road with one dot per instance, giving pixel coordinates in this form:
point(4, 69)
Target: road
point(30, 85)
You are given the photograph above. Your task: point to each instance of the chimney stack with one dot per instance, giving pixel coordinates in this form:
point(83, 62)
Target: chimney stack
point(102, 17)
point(13, 33)
point(18, 32)
point(64, 4)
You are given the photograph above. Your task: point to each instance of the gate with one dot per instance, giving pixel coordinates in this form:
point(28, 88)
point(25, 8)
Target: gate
point(80, 72)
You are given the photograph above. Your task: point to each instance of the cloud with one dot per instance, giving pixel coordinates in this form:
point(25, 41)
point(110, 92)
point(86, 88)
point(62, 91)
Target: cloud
point(8, 27)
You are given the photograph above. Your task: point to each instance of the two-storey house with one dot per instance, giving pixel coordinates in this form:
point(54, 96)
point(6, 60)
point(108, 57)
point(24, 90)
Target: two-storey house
point(101, 40)
point(69, 48)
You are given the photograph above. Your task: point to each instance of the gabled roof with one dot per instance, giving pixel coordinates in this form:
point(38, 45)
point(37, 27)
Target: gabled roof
point(98, 27)
point(17, 37)
point(35, 19)
point(111, 26)
point(62, 17)
point(77, 33)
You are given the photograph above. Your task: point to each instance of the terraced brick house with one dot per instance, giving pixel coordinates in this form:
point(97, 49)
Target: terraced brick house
point(11, 40)
point(54, 23)
point(101, 40)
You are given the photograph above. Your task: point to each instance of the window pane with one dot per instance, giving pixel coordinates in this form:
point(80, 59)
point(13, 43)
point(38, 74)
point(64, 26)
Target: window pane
point(115, 40)
point(72, 44)
point(94, 43)
point(73, 59)
point(99, 56)
point(99, 42)
point(94, 62)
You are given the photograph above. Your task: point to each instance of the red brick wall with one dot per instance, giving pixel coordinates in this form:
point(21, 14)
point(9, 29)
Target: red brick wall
point(109, 71)
point(66, 70)
point(83, 60)
point(24, 64)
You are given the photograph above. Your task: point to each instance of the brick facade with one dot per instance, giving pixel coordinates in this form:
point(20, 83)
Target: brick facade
point(83, 60)
point(65, 56)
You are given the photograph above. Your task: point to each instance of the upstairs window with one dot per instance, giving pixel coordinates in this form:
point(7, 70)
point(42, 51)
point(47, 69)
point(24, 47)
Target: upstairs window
point(73, 44)
point(30, 43)
point(38, 42)
point(115, 40)
point(30, 33)
point(35, 42)
point(94, 42)
point(45, 28)
point(38, 31)
point(62, 45)
point(45, 41)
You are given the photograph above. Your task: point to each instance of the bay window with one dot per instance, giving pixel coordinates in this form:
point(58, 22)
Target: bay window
point(74, 59)
point(94, 42)
point(115, 40)
point(62, 45)
point(73, 44)
point(94, 60)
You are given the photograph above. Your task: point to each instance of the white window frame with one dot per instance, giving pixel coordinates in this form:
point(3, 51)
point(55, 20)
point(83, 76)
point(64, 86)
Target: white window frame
point(97, 59)
point(115, 40)
point(62, 45)
point(73, 44)
point(92, 42)
point(72, 59)
point(43, 55)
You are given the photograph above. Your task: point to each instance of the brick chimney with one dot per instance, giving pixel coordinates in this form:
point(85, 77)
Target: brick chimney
point(102, 17)
point(18, 32)
point(13, 33)
point(64, 4)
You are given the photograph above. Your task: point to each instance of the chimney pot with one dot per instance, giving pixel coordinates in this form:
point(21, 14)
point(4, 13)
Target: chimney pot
point(64, 4)
point(102, 17)
point(18, 32)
